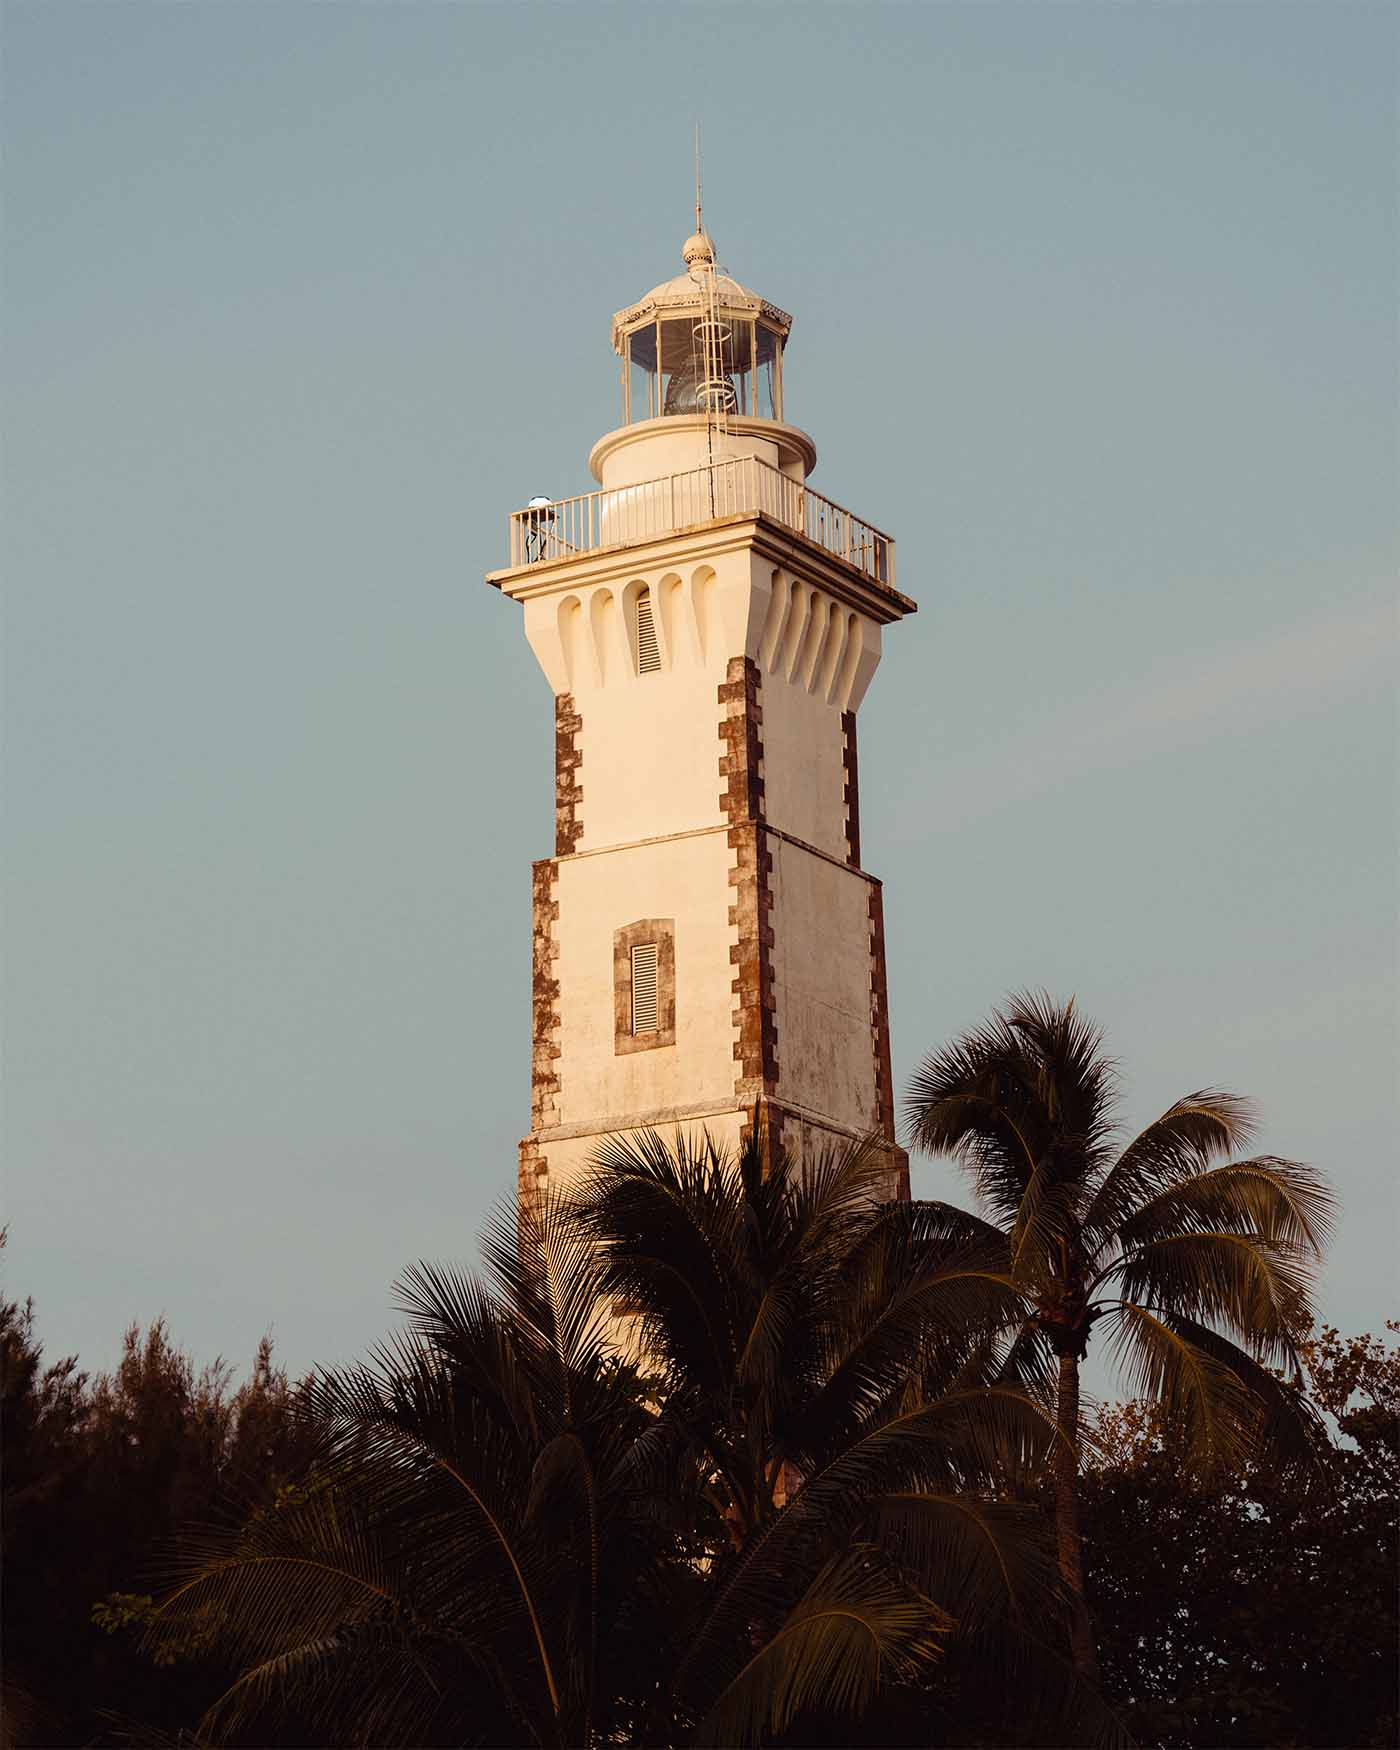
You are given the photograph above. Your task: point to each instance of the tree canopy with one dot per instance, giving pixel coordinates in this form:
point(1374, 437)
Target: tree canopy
point(99, 1475)
point(741, 1449)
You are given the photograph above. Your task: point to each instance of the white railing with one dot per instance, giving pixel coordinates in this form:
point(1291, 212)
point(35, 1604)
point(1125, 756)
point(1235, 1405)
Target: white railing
point(617, 517)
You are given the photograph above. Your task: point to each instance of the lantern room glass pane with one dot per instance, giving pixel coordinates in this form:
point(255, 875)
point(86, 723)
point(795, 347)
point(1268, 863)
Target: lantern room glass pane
point(767, 395)
point(664, 367)
point(644, 402)
point(743, 365)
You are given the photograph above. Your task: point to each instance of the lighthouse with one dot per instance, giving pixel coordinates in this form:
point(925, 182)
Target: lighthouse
point(708, 948)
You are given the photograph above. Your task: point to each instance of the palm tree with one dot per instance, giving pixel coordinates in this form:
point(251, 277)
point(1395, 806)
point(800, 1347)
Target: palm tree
point(822, 1353)
point(1196, 1265)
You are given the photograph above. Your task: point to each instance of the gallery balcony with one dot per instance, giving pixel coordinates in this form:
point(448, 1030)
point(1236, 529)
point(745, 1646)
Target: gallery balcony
point(564, 528)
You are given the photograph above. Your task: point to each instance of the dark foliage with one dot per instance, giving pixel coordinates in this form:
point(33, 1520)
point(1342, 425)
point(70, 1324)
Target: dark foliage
point(510, 1537)
point(818, 1515)
point(1259, 1608)
point(98, 1475)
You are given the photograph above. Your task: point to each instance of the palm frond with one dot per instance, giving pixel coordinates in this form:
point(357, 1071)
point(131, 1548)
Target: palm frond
point(444, 1305)
point(960, 1440)
point(936, 1311)
point(1204, 1127)
point(1276, 1199)
point(944, 1227)
point(363, 1690)
point(857, 1623)
point(1075, 1080)
point(1024, 1104)
point(1257, 1288)
point(548, 1272)
point(669, 1226)
point(1206, 1401)
point(422, 1469)
point(293, 1576)
point(459, 1333)
point(974, 1102)
point(983, 1560)
point(1045, 1224)
point(835, 1193)
point(1285, 1428)
point(1028, 1362)
point(969, 1438)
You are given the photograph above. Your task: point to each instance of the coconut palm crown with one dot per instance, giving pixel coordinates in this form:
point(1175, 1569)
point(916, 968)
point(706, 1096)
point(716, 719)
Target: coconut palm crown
point(1196, 1266)
point(815, 1347)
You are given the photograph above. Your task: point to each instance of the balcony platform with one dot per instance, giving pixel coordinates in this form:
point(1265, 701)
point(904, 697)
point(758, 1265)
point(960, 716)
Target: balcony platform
point(739, 489)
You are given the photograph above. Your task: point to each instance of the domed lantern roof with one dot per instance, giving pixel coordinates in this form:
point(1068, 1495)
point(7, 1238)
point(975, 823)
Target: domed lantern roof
point(688, 291)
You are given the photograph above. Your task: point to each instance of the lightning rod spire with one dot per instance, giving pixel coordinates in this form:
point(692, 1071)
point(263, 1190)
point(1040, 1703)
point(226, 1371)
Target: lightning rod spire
point(699, 226)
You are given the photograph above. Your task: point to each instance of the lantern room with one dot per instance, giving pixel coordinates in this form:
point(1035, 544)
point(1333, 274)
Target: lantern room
point(701, 344)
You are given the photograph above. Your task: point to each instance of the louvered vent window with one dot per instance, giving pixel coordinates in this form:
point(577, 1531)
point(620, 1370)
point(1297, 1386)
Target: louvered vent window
point(648, 651)
point(644, 988)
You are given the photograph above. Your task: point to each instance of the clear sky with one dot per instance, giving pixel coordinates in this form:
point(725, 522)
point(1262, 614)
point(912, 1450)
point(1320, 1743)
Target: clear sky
point(1095, 312)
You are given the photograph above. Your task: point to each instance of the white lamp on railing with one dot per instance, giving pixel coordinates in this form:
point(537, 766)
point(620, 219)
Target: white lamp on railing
point(539, 520)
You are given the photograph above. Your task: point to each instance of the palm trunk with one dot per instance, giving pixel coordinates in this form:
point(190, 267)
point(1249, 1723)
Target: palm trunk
point(1081, 1628)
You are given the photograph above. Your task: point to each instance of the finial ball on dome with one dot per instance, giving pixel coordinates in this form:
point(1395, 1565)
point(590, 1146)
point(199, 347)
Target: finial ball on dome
point(697, 249)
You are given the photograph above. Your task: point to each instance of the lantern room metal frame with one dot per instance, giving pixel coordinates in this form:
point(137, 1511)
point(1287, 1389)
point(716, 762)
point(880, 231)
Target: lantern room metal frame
point(668, 339)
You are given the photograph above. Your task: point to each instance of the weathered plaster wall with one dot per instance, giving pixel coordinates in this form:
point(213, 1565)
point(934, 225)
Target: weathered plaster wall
point(649, 758)
point(803, 766)
point(822, 971)
point(683, 879)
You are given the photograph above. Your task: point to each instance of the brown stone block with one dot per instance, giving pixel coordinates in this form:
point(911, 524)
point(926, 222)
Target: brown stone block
point(879, 1016)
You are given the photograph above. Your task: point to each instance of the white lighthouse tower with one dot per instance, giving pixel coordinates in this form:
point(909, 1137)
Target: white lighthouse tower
point(707, 945)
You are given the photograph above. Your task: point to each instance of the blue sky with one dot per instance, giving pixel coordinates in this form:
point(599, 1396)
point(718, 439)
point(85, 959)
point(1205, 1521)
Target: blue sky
point(1094, 312)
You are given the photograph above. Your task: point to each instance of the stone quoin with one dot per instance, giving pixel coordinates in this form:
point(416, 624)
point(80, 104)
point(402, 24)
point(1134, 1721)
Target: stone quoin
point(706, 945)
